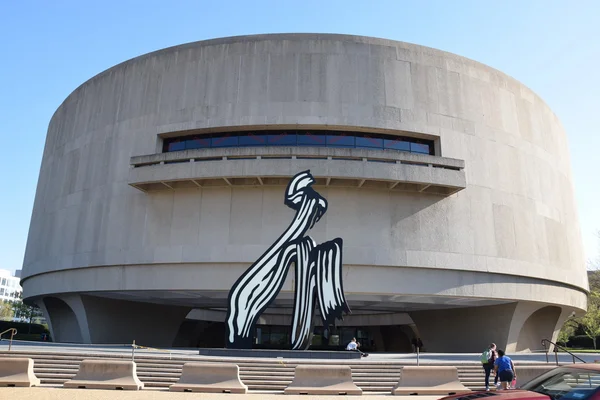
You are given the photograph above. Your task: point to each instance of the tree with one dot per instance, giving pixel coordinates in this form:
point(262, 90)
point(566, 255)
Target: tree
point(594, 265)
point(590, 322)
point(25, 311)
point(6, 311)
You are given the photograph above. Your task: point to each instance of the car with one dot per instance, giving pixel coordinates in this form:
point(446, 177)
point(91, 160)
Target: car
point(572, 382)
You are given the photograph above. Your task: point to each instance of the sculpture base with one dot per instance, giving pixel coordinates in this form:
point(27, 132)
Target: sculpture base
point(259, 353)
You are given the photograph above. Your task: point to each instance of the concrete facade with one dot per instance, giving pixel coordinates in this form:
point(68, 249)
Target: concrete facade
point(485, 229)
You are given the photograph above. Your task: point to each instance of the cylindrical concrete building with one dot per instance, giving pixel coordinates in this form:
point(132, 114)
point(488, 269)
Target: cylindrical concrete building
point(163, 180)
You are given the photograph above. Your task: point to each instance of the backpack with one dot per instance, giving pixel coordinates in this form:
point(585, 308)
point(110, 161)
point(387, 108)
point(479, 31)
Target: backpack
point(485, 356)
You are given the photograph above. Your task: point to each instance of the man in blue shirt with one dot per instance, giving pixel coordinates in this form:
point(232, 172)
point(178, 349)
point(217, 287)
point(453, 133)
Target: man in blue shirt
point(505, 369)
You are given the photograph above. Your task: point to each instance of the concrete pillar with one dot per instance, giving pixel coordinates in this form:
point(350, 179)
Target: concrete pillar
point(464, 329)
point(531, 324)
point(74, 301)
point(40, 303)
point(62, 319)
point(121, 321)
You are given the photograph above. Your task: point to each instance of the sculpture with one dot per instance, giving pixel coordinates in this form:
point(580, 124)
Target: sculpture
point(318, 273)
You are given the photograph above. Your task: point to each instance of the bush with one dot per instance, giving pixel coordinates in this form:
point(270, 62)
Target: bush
point(23, 328)
point(582, 342)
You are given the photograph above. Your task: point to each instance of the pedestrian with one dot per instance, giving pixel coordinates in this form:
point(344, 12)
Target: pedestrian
point(415, 343)
point(488, 357)
point(505, 369)
point(354, 346)
point(420, 345)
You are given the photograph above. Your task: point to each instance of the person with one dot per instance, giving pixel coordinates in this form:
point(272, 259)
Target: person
point(420, 345)
point(415, 343)
point(505, 369)
point(488, 357)
point(354, 346)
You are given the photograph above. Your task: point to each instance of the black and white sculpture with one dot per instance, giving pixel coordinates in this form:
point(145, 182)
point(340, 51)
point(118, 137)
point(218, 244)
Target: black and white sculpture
point(318, 274)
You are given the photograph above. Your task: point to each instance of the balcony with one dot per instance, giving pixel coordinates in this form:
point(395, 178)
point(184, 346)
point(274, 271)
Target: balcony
point(258, 166)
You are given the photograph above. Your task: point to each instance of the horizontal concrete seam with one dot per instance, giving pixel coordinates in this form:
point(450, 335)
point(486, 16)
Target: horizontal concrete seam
point(560, 283)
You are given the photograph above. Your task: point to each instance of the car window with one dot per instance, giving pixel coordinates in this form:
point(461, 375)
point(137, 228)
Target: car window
point(566, 384)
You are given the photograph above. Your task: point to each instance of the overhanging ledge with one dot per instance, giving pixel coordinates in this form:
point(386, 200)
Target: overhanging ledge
point(257, 166)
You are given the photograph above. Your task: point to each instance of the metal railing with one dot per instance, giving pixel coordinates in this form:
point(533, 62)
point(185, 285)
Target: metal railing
point(283, 152)
point(137, 346)
point(13, 333)
point(546, 343)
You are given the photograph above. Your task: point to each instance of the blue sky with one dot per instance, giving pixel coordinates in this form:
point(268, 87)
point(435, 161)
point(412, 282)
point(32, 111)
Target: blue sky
point(48, 48)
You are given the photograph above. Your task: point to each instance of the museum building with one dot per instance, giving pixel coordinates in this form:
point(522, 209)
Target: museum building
point(164, 178)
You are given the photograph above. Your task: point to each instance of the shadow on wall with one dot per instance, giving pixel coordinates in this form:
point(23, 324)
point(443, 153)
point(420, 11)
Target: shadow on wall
point(395, 339)
point(205, 334)
point(536, 328)
point(64, 322)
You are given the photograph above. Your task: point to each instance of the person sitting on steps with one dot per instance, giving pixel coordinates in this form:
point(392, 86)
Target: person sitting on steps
point(354, 346)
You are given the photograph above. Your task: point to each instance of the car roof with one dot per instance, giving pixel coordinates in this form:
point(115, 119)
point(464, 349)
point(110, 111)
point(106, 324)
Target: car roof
point(590, 366)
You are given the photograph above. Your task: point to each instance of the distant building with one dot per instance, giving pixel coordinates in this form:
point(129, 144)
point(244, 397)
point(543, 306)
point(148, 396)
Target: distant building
point(10, 289)
point(18, 273)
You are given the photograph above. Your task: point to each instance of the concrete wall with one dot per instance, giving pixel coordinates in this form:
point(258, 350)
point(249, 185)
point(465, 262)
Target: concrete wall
point(515, 220)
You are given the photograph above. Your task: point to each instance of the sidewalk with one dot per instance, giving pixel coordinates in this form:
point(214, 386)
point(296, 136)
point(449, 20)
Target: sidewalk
point(53, 393)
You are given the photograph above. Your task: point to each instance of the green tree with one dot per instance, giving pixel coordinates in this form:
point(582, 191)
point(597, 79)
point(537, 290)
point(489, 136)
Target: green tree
point(6, 310)
point(590, 322)
point(24, 311)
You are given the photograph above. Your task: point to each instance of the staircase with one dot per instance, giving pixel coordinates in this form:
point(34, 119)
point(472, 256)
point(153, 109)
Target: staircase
point(160, 371)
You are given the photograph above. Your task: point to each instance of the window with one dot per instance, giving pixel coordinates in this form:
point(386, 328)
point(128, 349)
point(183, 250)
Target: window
point(311, 139)
point(224, 141)
point(3, 281)
point(314, 138)
point(396, 144)
point(253, 140)
point(419, 148)
point(282, 139)
point(176, 145)
point(369, 142)
point(566, 383)
point(340, 141)
point(197, 143)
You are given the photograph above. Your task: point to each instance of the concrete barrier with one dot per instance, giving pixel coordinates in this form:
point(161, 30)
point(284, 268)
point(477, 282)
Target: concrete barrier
point(323, 380)
point(527, 373)
point(17, 372)
point(106, 374)
point(429, 380)
point(209, 378)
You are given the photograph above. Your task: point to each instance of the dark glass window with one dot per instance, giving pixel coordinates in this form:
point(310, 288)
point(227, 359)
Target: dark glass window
point(283, 139)
point(369, 142)
point(253, 140)
point(224, 141)
point(396, 144)
point(340, 141)
point(420, 148)
point(176, 145)
point(300, 138)
point(197, 143)
point(310, 139)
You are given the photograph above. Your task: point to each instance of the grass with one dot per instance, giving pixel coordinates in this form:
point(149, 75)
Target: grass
point(572, 350)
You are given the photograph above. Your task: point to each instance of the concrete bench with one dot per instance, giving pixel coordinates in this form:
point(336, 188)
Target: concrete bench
point(17, 372)
point(429, 380)
point(209, 378)
point(106, 374)
point(323, 380)
point(527, 373)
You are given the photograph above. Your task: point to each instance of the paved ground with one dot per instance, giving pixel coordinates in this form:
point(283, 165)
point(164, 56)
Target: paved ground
point(409, 358)
point(43, 393)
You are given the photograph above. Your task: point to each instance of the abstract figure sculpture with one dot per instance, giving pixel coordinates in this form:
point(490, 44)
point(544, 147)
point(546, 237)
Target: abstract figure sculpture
point(318, 273)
